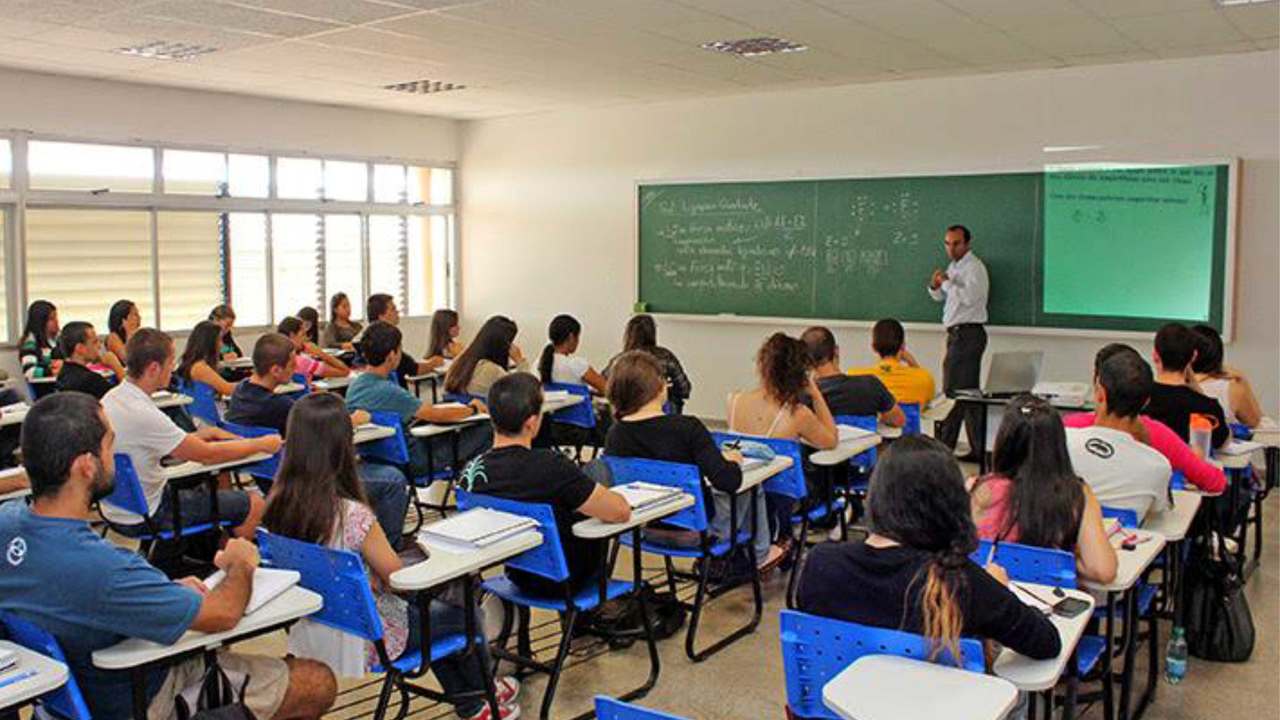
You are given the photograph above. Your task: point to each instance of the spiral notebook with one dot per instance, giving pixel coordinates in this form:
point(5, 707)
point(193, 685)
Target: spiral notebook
point(642, 495)
point(477, 528)
point(268, 584)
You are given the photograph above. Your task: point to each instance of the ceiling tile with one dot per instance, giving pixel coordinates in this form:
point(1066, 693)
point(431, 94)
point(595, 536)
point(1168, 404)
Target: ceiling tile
point(1139, 8)
point(341, 11)
point(1080, 36)
point(1198, 51)
point(236, 17)
point(1174, 30)
point(143, 29)
point(1012, 14)
point(1255, 21)
point(59, 12)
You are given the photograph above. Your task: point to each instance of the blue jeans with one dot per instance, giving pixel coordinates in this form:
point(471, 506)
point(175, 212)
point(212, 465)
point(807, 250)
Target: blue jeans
point(720, 521)
point(457, 673)
point(388, 495)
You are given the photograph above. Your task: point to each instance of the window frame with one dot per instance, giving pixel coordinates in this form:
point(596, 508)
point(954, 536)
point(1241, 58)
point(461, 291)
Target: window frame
point(19, 196)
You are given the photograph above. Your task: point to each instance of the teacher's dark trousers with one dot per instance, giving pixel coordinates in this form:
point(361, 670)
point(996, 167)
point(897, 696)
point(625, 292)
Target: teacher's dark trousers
point(960, 370)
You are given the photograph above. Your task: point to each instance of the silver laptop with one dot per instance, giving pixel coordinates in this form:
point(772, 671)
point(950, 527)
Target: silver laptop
point(1012, 373)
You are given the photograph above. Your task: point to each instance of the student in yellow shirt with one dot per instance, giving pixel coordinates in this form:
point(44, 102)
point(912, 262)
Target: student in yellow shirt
point(897, 369)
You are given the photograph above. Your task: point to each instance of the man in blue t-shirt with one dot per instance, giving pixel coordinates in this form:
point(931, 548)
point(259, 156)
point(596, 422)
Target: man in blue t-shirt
point(375, 391)
point(57, 573)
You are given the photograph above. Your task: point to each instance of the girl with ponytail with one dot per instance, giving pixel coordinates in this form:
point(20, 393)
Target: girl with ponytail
point(559, 364)
point(913, 572)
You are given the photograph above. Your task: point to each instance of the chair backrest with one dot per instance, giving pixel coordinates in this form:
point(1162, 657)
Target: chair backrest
point(865, 460)
point(338, 576)
point(788, 483)
point(547, 560)
point(302, 380)
point(393, 449)
point(127, 493)
point(609, 709)
point(66, 701)
point(1027, 563)
point(1177, 481)
point(1128, 517)
point(204, 403)
point(816, 649)
point(264, 469)
point(679, 475)
point(579, 415)
point(1240, 431)
point(912, 411)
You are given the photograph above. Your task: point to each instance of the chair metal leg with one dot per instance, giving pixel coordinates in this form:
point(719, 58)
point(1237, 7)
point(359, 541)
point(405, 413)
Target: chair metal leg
point(384, 696)
point(797, 548)
point(562, 653)
point(700, 599)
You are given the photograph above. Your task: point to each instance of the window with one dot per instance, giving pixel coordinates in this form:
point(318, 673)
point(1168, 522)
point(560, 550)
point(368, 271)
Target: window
point(249, 176)
point(387, 236)
point(84, 260)
point(189, 258)
point(427, 256)
point(246, 248)
point(194, 173)
point(299, 178)
point(430, 186)
point(93, 168)
point(346, 181)
point(343, 262)
point(296, 248)
point(4, 232)
point(388, 183)
point(6, 164)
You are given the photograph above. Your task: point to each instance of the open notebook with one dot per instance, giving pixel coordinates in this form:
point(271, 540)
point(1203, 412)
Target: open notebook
point(849, 432)
point(476, 528)
point(641, 495)
point(268, 584)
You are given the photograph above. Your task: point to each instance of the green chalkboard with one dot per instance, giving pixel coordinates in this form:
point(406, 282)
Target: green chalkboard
point(862, 249)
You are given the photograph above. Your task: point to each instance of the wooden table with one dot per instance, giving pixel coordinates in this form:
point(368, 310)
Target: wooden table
point(886, 687)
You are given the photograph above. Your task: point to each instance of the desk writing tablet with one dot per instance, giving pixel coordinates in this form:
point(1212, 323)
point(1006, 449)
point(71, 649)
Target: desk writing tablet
point(886, 687)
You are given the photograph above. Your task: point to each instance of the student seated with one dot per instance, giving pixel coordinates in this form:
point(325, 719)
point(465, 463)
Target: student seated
point(38, 345)
point(311, 361)
point(382, 308)
point(318, 498)
point(1223, 383)
point(91, 595)
point(123, 320)
point(513, 470)
point(341, 329)
point(1175, 395)
point(558, 364)
point(913, 572)
point(310, 318)
point(146, 435)
point(776, 409)
point(200, 359)
point(80, 347)
point(1033, 496)
point(225, 318)
point(1197, 470)
point(444, 345)
point(637, 392)
point(256, 403)
point(848, 394)
point(897, 368)
point(14, 482)
point(1123, 472)
point(642, 334)
point(374, 390)
point(490, 356)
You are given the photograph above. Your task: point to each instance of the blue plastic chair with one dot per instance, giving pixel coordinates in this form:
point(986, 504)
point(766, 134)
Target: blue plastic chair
point(339, 577)
point(394, 450)
point(581, 417)
point(816, 649)
point(65, 702)
point(1240, 431)
point(547, 561)
point(204, 405)
point(128, 495)
point(912, 411)
point(263, 472)
point(689, 479)
point(609, 709)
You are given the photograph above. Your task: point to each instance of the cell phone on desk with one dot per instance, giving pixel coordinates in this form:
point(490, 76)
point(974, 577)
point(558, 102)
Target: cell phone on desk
point(1070, 607)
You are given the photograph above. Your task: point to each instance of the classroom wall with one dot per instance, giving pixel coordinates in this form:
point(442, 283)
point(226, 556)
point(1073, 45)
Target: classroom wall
point(106, 110)
point(547, 201)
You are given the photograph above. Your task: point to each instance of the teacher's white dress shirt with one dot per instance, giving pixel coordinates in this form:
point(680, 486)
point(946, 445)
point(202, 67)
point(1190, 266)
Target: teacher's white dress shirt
point(964, 292)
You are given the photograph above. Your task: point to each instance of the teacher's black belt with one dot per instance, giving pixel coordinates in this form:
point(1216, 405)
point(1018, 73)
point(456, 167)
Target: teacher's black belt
point(962, 326)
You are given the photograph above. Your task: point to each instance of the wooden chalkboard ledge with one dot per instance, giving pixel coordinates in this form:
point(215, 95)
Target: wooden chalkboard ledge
point(727, 318)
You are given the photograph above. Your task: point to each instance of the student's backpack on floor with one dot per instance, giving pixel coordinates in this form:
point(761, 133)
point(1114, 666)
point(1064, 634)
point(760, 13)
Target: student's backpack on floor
point(1219, 622)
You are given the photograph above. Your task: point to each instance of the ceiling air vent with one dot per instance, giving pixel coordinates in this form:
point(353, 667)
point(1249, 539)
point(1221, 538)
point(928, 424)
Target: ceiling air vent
point(423, 87)
point(752, 47)
point(164, 50)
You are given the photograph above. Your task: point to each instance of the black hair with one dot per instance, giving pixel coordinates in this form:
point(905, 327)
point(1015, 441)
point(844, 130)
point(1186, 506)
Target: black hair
point(1109, 351)
point(289, 326)
point(147, 346)
point(59, 428)
point(492, 343)
point(968, 237)
point(120, 310)
point(1176, 346)
point(820, 343)
point(202, 345)
point(377, 305)
point(37, 323)
point(309, 315)
point(442, 322)
point(73, 333)
point(562, 328)
point(641, 334)
point(337, 299)
point(1047, 500)
point(513, 399)
point(380, 339)
point(222, 312)
point(1127, 380)
point(271, 350)
point(1209, 350)
point(887, 337)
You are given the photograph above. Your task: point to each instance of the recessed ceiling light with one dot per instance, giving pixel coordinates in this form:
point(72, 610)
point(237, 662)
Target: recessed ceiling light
point(423, 87)
point(751, 47)
point(163, 50)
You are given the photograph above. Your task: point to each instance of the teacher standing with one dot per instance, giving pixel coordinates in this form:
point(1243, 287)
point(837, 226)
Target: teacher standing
point(962, 288)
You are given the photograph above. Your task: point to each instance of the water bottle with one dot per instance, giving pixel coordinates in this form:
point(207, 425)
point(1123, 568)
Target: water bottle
point(1175, 656)
point(1201, 434)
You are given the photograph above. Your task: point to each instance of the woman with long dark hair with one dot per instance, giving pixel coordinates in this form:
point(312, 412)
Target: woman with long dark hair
point(310, 318)
point(913, 572)
point(36, 347)
point(559, 364)
point(123, 320)
point(341, 330)
point(317, 497)
point(444, 343)
point(200, 358)
point(641, 333)
point(1033, 497)
point(1227, 385)
point(487, 358)
point(225, 318)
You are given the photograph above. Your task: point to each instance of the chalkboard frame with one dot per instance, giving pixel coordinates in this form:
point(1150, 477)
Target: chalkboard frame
point(1222, 300)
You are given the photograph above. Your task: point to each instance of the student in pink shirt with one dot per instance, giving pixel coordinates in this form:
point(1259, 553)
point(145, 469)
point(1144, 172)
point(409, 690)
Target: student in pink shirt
point(312, 362)
point(1198, 471)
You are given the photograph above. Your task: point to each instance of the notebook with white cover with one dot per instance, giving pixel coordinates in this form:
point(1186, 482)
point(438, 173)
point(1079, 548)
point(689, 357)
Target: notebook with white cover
point(849, 432)
point(1239, 447)
point(640, 495)
point(16, 407)
point(268, 584)
point(555, 395)
point(477, 528)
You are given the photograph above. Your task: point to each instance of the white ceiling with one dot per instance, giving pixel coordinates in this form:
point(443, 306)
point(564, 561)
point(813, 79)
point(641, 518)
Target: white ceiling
point(522, 56)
